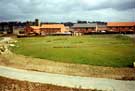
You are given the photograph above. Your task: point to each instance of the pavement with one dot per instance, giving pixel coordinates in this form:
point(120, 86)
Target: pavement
point(67, 81)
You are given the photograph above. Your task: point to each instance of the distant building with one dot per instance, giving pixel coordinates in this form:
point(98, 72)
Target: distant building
point(45, 29)
point(121, 27)
point(85, 28)
point(53, 28)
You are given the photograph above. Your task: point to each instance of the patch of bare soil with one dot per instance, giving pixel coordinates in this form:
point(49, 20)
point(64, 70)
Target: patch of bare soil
point(29, 63)
point(7, 84)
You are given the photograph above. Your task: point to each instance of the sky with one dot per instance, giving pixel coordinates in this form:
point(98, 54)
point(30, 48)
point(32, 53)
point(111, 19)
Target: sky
point(67, 10)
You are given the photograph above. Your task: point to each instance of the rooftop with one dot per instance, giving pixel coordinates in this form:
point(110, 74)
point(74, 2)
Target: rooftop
point(121, 24)
point(85, 25)
point(52, 26)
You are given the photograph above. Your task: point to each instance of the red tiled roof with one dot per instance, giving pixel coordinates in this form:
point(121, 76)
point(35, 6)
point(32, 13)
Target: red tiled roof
point(121, 24)
point(52, 26)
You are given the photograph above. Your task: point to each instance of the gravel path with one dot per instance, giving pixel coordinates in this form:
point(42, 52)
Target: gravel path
point(68, 81)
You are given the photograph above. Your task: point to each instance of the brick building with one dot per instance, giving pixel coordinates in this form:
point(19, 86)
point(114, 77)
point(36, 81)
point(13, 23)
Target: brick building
point(84, 27)
point(45, 29)
point(121, 27)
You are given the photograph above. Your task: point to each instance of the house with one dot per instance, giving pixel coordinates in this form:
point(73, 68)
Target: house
point(121, 27)
point(53, 28)
point(84, 27)
point(46, 29)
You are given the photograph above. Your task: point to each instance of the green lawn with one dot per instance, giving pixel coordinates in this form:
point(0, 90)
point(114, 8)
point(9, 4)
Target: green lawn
point(101, 50)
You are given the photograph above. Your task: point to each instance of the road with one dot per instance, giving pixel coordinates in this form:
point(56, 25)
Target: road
point(68, 81)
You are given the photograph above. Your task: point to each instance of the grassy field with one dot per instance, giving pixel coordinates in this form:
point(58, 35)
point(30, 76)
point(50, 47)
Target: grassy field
point(101, 50)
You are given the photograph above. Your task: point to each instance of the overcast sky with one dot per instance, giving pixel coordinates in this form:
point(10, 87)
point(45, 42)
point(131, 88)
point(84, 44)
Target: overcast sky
point(67, 10)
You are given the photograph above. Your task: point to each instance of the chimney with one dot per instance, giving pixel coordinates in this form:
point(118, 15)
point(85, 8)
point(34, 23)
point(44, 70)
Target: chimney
point(37, 22)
